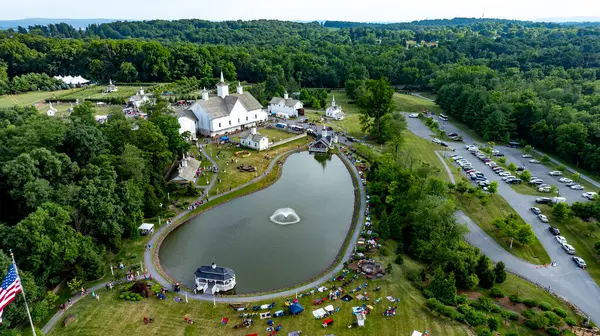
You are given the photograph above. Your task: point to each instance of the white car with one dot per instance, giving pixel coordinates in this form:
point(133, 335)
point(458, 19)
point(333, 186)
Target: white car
point(543, 218)
point(565, 180)
point(555, 173)
point(544, 189)
point(534, 161)
point(570, 249)
point(413, 115)
point(504, 174)
point(526, 156)
point(577, 187)
point(507, 177)
point(436, 140)
point(589, 195)
point(561, 240)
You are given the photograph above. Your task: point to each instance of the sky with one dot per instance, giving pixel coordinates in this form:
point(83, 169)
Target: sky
point(304, 10)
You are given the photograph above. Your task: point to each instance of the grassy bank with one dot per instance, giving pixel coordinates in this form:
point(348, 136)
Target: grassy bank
point(29, 98)
point(497, 207)
point(408, 103)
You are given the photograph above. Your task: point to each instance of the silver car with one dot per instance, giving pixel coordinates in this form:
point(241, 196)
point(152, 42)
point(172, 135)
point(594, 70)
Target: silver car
point(577, 187)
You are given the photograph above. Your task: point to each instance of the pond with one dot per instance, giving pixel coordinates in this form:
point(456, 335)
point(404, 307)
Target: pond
point(264, 255)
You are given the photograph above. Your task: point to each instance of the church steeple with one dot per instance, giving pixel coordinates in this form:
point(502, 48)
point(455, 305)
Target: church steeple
point(332, 100)
point(222, 88)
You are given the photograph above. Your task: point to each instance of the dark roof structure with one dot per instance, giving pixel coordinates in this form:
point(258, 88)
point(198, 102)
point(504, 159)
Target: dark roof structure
point(214, 273)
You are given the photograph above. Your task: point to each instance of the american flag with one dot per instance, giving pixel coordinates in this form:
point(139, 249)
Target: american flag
point(11, 286)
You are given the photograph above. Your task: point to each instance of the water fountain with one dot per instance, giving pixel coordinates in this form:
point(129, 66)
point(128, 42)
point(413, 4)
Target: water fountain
point(285, 216)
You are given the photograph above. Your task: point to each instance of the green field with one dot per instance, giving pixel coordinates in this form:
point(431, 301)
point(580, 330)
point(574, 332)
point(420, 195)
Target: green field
point(96, 92)
point(424, 150)
point(62, 109)
point(497, 207)
point(408, 103)
point(582, 235)
point(348, 106)
point(28, 98)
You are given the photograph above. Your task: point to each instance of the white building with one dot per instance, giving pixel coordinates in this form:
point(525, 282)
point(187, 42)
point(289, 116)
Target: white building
point(212, 279)
point(111, 87)
point(51, 111)
point(186, 172)
point(73, 81)
point(334, 111)
point(187, 121)
point(225, 112)
point(286, 105)
point(140, 98)
point(255, 140)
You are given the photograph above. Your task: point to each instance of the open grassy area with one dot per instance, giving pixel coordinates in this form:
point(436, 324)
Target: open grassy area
point(115, 316)
point(275, 134)
point(425, 151)
point(408, 103)
point(96, 91)
point(496, 207)
point(62, 109)
point(29, 98)
point(349, 125)
point(230, 176)
point(348, 105)
point(582, 235)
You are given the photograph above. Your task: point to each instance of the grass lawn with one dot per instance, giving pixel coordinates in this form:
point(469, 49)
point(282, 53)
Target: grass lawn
point(96, 91)
point(429, 95)
point(348, 105)
point(29, 98)
point(350, 125)
point(424, 151)
point(232, 177)
point(582, 235)
point(115, 316)
point(61, 109)
point(275, 134)
point(408, 103)
point(496, 207)
point(527, 189)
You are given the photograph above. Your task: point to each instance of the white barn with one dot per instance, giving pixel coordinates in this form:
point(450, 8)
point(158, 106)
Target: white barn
point(140, 98)
point(334, 111)
point(187, 122)
point(255, 140)
point(290, 107)
point(225, 112)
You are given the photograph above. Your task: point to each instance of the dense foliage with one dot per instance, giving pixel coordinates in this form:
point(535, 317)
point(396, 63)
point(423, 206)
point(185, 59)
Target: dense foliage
point(71, 189)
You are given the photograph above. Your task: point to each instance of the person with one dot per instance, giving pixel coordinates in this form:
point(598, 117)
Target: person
point(69, 302)
point(97, 297)
point(146, 320)
point(107, 286)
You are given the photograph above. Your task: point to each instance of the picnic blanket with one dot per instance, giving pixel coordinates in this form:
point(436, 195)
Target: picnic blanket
point(391, 298)
point(319, 313)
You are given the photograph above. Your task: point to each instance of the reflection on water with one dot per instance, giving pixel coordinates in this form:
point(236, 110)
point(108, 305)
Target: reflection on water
point(322, 158)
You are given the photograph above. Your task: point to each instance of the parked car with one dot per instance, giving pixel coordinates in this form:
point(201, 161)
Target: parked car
point(526, 156)
point(544, 189)
point(561, 240)
point(504, 174)
point(577, 187)
point(579, 262)
point(568, 248)
point(484, 183)
point(436, 140)
point(556, 200)
point(554, 230)
point(443, 144)
point(536, 211)
point(452, 134)
point(508, 177)
point(565, 180)
point(590, 195)
point(498, 154)
point(555, 173)
point(413, 115)
point(568, 184)
point(514, 181)
point(534, 161)
point(456, 138)
point(543, 200)
point(543, 218)
point(543, 185)
point(520, 168)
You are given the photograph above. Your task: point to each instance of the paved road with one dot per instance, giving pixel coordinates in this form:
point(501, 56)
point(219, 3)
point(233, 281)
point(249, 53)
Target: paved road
point(565, 279)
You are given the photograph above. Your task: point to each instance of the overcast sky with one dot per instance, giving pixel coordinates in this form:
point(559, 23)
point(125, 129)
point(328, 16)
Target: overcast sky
point(346, 10)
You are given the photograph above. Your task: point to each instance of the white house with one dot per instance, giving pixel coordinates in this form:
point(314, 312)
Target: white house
point(187, 121)
point(211, 279)
point(225, 112)
point(255, 140)
point(111, 87)
point(51, 111)
point(186, 171)
point(290, 107)
point(324, 142)
point(334, 111)
point(140, 98)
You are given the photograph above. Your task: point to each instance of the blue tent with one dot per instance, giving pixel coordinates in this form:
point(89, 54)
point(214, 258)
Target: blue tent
point(224, 138)
point(295, 309)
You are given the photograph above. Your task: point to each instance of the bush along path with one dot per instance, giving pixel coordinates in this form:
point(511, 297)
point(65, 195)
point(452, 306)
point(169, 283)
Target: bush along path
point(158, 278)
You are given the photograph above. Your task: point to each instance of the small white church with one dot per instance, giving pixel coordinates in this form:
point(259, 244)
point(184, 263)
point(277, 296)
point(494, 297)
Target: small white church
point(255, 140)
point(334, 111)
point(286, 105)
point(224, 113)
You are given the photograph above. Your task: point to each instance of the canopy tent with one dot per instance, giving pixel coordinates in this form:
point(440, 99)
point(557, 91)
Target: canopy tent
point(347, 298)
point(329, 309)
point(319, 313)
point(295, 309)
point(146, 228)
point(416, 333)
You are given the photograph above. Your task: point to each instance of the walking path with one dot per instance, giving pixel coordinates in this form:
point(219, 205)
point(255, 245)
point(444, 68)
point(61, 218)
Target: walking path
point(284, 141)
point(157, 277)
point(446, 166)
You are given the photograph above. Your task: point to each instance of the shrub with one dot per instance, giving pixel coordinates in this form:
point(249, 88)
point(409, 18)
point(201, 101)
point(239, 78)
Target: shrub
point(528, 313)
point(428, 294)
point(560, 312)
point(505, 313)
point(515, 298)
point(496, 292)
point(511, 334)
point(514, 316)
point(530, 303)
point(553, 319)
point(473, 317)
point(460, 299)
point(493, 323)
point(545, 306)
point(570, 322)
point(484, 332)
point(486, 303)
point(384, 252)
point(553, 332)
point(537, 322)
point(475, 304)
point(399, 260)
point(496, 308)
point(567, 332)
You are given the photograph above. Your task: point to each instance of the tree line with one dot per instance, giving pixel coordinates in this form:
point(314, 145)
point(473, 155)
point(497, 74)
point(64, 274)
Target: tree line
point(72, 189)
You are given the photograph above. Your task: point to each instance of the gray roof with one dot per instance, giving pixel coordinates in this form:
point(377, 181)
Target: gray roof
point(217, 273)
point(137, 97)
point(257, 137)
point(287, 102)
point(185, 112)
point(218, 107)
point(188, 173)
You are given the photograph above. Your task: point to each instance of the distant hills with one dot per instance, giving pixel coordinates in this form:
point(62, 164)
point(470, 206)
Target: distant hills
point(75, 23)
point(570, 19)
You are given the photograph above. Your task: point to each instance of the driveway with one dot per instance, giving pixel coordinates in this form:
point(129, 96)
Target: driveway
point(565, 279)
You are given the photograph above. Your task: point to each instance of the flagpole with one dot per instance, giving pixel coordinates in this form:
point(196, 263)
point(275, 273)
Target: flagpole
point(23, 292)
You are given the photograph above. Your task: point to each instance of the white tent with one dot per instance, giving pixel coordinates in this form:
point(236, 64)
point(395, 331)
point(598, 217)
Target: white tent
point(319, 313)
point(360, 319)
point(416, 333)
point(146, 228)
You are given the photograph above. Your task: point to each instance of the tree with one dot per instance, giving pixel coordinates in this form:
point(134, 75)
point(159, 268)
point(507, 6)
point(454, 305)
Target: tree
point(75, 284)
point(500, 272)
point(487, 279)
point(545, 158)
point(576, 177)
point(553, 190)
point(442, 287)
point(376, 102)
point(502, 160)
point(191, 190)
point(384, 227)
point(472, 282)
point(525, 175)
point(83, 114)
point(393, 127)
point(127, 73)
point(493, 187)
point(561, 210)
point(561, 168)
point(512, 167)
point(528, 149)
point(493, 323)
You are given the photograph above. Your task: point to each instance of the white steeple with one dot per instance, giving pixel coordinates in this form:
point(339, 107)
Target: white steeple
point(222, 88)
point(204, 94)
point(285, 95)
point(141, 91)
point(332, 100)
point(240, 88)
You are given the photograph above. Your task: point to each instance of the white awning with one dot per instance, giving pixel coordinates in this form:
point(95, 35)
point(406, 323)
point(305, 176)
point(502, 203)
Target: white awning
point(146, 226)
point(416, 333)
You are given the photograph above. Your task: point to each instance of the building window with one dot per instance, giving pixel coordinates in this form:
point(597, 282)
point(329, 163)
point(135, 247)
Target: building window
point(219, 125)
point(255, 116)
point(229, 122)
point(246, 118)
point(238, 120)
